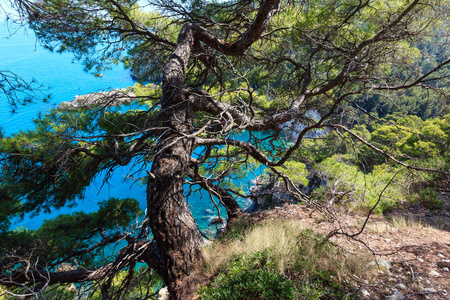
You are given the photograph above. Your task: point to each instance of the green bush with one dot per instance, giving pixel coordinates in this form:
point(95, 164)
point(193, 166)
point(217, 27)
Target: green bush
point(250, 277)
point(358, 190)
point(429, 198)
point(288, 263)
point(249, 284)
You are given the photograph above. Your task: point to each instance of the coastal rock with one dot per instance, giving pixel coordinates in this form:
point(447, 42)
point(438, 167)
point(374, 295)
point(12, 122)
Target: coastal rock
point(217, 220)
point(107, 99)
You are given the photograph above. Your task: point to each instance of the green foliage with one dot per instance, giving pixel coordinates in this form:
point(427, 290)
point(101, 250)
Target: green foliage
point(296, 263)
point(144, 282)
point(8, 209)
point(68, 235)
point(321, 285)
point(31, 165)
point(350, 186)
point(296, 171)
point(415, 101)
point(249, 278)
point(50, 168)
point(356, 174)
point(430, 199)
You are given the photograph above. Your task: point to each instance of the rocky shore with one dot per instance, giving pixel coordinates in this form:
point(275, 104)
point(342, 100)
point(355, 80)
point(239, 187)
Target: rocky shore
point(101, 99)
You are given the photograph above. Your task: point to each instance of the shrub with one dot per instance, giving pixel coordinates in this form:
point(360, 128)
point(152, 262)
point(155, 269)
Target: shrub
point(358, 190)
point(249, 284)
point(279, 260)
point(429, 198)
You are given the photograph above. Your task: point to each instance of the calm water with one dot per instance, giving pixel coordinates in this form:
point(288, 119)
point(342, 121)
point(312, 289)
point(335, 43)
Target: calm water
point(65, 79)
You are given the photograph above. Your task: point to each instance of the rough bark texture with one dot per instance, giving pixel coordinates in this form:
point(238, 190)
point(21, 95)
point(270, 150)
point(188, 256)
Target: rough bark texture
point(174, 228)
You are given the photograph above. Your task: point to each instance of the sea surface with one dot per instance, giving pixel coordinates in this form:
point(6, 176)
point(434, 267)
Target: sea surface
point(64, 78)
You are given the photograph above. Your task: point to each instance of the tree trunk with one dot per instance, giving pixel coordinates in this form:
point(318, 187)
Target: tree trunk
point(175, 230)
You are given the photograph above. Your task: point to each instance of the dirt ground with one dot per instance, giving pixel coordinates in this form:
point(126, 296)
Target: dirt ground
point(412, 241)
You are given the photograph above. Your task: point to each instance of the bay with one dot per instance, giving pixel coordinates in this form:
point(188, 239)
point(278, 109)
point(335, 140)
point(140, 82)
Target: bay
point(64, 78)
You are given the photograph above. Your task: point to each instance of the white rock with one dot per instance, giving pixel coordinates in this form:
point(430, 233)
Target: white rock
point(396, 295)
point(443, 263)
point(163, 294)
point(440, 255)
point(428, 290)
point(400, 286)
point(433, 273)
point(384, 264)
point(419, 259)
point(445, 269)
point(364, 293)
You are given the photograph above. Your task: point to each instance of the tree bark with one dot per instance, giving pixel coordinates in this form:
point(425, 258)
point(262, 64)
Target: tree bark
point(174, 228)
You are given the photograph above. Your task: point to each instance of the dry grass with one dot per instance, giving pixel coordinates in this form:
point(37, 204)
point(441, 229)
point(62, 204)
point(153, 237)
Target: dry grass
point(404, 223)
point(297, 252)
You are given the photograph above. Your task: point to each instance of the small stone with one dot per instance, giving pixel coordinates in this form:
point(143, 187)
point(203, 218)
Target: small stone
point(445, 269)
point(433, 273)
point(440, 255)
point(364, 293)
point(443, 263)
point(384, 264)
point(419, 259)
point(396, 295)
point(388, 240)
point(400, 286)
point(428, 290)
point(163, 294)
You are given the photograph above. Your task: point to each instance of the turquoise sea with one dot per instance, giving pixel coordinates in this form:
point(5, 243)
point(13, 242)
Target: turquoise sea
point(65, 78)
